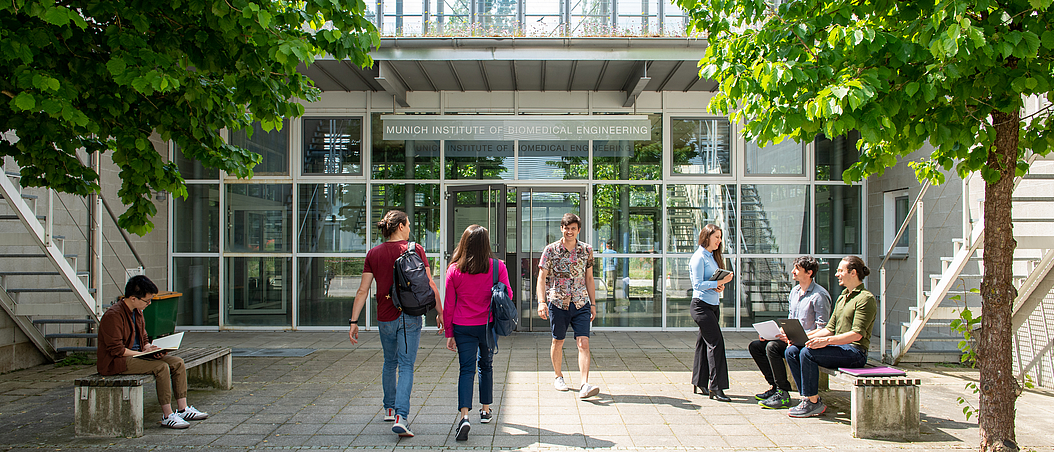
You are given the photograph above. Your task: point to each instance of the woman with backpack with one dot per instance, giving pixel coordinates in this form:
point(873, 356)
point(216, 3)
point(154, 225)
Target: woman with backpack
point(467, 314)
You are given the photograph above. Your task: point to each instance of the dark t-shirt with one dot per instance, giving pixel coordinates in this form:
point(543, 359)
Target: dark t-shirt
point(380, 261)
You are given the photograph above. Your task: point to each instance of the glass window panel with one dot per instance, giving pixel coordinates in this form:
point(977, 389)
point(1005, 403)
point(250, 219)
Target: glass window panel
point(839, 213)
point(332, 218)
point(273, 146)
point(198, 278)
point(479, 159)
point(409, 159)
point(419, 201)
point(900, 207)
point(835, 156)
point(628, 215)
point(766, 285)
point(630, 160)
point(451, 17)
point(259, 218)
point(542, 17)
point(678, 288)
point(192, 169)
point(326, 292)
point(333, 146)
point(825, 276)
point(785, 158)
point(258, 291)
point(701, 146)
point(631, 294)
point(540, 215)
point(553, 160)
point(690, 207)
point(775, 218)
point(196, 220)
point(591, 18)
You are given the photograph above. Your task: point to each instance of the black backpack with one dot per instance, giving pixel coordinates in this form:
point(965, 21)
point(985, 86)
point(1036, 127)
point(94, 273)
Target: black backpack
point(502, 308)
point(411, 289)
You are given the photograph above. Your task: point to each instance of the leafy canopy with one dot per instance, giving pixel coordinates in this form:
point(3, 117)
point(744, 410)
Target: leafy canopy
point(902, 73)
point(102, 75)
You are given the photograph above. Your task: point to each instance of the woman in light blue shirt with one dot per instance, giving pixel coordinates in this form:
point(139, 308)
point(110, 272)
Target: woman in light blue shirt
point(710, 370)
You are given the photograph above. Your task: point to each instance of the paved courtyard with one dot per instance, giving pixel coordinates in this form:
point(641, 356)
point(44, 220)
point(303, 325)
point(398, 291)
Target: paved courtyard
point(331, 399)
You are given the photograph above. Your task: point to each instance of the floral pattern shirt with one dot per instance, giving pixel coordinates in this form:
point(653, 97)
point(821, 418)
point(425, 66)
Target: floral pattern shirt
point(567, 270)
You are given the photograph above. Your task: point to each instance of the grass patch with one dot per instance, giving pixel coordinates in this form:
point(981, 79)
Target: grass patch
point(76, 359)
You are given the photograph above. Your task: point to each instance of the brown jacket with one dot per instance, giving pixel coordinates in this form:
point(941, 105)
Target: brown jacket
point(115, 336)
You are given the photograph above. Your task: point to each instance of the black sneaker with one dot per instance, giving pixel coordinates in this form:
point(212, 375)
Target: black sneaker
point(807, 408)
point(484, 416)
point(461, 434)
point(781, 399)
point(765, 395)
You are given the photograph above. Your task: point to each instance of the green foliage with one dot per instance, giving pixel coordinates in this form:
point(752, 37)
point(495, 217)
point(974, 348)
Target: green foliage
point(902, 73)
point(76, 359)
point(96, 75)
point(965, 325)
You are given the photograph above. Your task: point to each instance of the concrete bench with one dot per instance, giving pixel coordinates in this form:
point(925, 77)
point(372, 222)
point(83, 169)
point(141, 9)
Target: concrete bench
point(112, 406)
point(881, 407)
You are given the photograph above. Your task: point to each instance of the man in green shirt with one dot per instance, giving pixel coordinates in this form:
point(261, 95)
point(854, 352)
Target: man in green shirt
point(843, 343)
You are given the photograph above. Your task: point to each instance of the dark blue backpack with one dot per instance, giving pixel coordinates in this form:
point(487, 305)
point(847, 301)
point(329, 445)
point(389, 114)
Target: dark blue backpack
point(505, 316)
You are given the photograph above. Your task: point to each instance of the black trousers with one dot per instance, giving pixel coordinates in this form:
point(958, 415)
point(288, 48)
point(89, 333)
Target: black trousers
point(710, 369)
point(769, 357)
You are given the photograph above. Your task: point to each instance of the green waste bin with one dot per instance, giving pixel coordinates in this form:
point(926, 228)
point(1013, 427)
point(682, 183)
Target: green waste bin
point(160, 316)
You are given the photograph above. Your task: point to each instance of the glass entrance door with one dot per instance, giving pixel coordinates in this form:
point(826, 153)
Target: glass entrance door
point(477, 204)
point(539, 211)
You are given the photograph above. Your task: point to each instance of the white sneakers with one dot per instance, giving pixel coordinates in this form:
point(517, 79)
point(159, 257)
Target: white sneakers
point(588, 390)
point(559, 384)
point(389, 414)
point(192, 414)
point(174, 421)
point(400, 428)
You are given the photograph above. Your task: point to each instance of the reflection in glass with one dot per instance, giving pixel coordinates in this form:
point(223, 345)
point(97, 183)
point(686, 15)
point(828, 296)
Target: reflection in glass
point(541, 214)
point(835, 156)
point(332, 218)
point(333, 146)
point(198, 278)
point(259, 218)
point(784, 158)
point(475, 206)
point(192, 169)
point(273, 146)
point(826, 278)
point(678, 288)
point(701, 146)
point(196, 220)
point(775, 218)
point(258, 291)
point(766, 285)
point(479, 159)
point(553, 159)
point(629, 294)
point(419, 201)
point(629, 216)
point(690, 207)
point(839, 213)
point(630, 160)
point(326, 289)
point(409, 159)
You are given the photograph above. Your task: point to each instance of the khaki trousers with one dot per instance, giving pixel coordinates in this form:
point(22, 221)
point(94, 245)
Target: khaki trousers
point(169, 372)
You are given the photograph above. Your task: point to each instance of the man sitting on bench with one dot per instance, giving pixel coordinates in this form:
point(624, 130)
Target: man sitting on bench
point(122, 335)
point(843, 343)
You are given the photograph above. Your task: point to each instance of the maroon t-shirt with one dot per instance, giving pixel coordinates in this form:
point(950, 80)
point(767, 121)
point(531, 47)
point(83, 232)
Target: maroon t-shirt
point(380, 261)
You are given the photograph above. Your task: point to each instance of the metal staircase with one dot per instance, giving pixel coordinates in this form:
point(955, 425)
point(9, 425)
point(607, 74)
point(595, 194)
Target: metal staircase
point(39, 282)
point(1033, 219)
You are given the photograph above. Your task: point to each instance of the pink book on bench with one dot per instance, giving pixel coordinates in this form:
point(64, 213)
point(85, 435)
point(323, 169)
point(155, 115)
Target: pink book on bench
point(873, 371)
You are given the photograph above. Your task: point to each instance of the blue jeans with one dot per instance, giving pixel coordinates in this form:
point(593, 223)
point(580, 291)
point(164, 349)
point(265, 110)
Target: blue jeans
point(399, 340)
point(472, 351)
point(804, 363)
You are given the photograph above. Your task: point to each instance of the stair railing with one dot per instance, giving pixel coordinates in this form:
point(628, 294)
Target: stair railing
point(916, 208)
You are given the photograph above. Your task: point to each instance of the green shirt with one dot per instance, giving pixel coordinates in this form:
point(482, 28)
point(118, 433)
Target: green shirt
point(854, 311)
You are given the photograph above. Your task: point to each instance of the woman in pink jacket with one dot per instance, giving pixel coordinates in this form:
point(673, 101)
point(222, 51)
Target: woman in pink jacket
point(468, 284)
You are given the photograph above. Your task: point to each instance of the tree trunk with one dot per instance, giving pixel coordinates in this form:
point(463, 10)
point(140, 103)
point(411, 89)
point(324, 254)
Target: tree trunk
point(998, 388)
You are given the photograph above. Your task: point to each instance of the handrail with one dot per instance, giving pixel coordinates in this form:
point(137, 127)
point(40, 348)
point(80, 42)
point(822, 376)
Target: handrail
point(882, 267)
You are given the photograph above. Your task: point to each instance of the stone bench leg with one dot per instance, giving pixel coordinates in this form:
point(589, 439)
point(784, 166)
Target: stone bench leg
point(108, 411)
point(890, 412)
point(215, 373)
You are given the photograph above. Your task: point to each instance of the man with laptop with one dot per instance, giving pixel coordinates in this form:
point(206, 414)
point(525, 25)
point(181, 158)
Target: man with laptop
point(810, 305)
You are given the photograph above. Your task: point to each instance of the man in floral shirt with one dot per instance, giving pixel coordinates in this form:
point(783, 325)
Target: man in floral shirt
point(566, 295)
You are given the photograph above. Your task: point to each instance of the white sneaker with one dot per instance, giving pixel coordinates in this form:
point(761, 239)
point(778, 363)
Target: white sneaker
point(559, 384)
point(400, 427)
point(192, 414)
point(174, 421)
point(588, 390)
point(389, 414)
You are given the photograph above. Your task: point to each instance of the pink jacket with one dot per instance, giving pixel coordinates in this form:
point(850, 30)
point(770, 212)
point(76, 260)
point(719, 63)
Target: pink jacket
point(467, 300)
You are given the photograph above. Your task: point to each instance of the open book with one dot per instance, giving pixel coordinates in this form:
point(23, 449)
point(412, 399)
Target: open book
point(167, 343)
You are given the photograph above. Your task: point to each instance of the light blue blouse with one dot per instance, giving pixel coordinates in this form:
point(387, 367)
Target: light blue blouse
point(700, 268)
